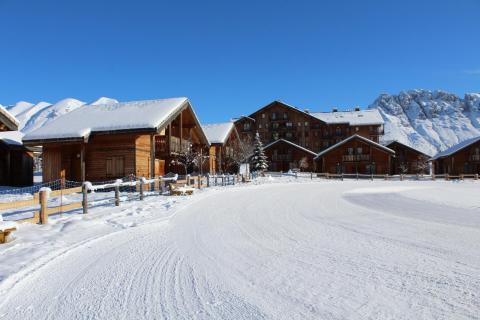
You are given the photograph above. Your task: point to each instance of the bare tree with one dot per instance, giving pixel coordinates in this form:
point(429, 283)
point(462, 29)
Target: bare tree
point(403, 167)
point(303, 163)
point(241, 153)
point(187, 157)
point(422, 164)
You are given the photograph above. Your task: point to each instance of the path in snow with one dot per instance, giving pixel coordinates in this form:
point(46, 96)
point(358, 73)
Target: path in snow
point(286, 251)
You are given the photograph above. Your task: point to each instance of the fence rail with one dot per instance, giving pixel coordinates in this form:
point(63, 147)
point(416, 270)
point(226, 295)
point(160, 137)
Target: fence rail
point(68, 196)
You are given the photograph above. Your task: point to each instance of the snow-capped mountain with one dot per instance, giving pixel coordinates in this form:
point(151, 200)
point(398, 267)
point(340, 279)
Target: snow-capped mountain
point(430, 121)
point(33, 116)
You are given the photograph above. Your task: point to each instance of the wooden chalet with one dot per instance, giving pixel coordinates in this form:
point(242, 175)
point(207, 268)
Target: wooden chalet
point(110, 141)
point(284, 155)
point(463, 158)
point(16, 161)
point(355, 154)
point(407, 160)
point(225, 146)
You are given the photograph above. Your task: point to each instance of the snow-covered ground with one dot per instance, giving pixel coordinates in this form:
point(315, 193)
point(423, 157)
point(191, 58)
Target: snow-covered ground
point(281, 249)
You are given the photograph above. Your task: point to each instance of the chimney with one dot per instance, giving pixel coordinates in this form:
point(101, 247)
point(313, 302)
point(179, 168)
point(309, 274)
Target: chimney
point(307, 111)
point(335, 110)
point(357, 108)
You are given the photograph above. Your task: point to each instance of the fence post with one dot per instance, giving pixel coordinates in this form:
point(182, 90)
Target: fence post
point(371, 176)
point(357, 175)
point(85, 198)
point(199, 182)
point(341, 176)
point(476, 176)
point(446, 176)
point(311, 175)
point(117, 195)
point(208, 181)
point(141, 188)
point(433, 176)
point(43, 206)
point(326, 175)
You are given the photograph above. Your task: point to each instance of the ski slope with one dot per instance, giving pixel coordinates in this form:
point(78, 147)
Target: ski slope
point(279, 250)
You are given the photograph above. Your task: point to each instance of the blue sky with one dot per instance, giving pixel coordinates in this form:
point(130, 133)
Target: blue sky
point(231, 57)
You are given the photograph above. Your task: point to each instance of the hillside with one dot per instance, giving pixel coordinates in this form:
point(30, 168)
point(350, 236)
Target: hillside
point(429, 120)
point(33, 116)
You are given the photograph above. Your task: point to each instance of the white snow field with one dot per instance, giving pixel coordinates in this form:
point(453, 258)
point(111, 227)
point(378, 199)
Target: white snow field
point(275, 250)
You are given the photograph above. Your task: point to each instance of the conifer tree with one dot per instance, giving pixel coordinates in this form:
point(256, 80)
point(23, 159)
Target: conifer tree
point(259, 159)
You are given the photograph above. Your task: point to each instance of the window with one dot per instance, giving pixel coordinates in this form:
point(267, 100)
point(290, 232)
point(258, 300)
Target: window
point(338, 131)
point(246, 126)
point(275, 136)
point(274, 116)
point(275, 125)
point(357, 129)
point(350, 151)
point(359, 150)
point(306, 123)
point(289, 125)
point(263, 115)
point(285, 116)
point(299, 124)
point(288, 135)
point(259, 126)
point(115, 167)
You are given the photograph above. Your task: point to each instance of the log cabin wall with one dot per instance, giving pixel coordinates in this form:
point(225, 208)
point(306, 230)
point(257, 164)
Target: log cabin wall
point(284, 157)
point(405, 156)
point(355, 156)
point(16, 166)
point(465, 161)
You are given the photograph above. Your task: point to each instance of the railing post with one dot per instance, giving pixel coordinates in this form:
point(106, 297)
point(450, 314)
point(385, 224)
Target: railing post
point(43, 206)
point(117, 195)
point(141, 188)
point(85, 198)
point(208, 181)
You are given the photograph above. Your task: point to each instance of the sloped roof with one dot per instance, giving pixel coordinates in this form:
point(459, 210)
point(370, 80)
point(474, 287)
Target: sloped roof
point(290, 143)
point(355, 136)
point(456, 148)
point(8, 119)
point(13, 138)
point(389, 143)
point(307, 114)
point(146, 115)
point(353, 118)
point(218, 132)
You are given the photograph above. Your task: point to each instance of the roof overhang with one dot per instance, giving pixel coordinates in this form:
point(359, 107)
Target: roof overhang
point(355, 136)
point(290, 143)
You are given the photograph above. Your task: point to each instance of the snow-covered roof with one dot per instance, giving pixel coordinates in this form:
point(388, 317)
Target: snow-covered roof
point(10, 121)
point(290, 143)
point(353, 118)
point(355, 136)
point(456, 148)
point(124, 116)
point(218, 132)
point(390, 142)
point(13, 138)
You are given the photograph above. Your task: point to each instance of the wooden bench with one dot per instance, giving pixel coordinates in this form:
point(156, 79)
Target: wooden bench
point(5, 233)
point(177, 190)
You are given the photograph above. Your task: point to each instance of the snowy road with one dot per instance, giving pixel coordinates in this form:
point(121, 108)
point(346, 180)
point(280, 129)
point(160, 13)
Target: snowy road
point(352, 250)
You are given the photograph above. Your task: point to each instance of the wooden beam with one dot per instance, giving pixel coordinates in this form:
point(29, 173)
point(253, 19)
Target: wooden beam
point(82, 162)
point(181, 129)
point(152, 156)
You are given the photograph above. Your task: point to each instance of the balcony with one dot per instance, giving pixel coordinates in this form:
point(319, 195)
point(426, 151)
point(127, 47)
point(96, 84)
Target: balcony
point(175, 145)
point(475, 157)
point(356, 157)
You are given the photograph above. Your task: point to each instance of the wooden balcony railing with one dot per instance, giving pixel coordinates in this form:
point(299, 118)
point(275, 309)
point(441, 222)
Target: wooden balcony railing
point(175, 145)
point(475, 157)
point(356, 157)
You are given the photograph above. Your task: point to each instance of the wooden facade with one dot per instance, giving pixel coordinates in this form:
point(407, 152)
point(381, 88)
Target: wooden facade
point(16, 161)
point(407, 160)
point(284, 155)
point(223, 156)
point(16, 166)
point(463, 159)
point(355, 154)
point(278, 120)
point(121, 153)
